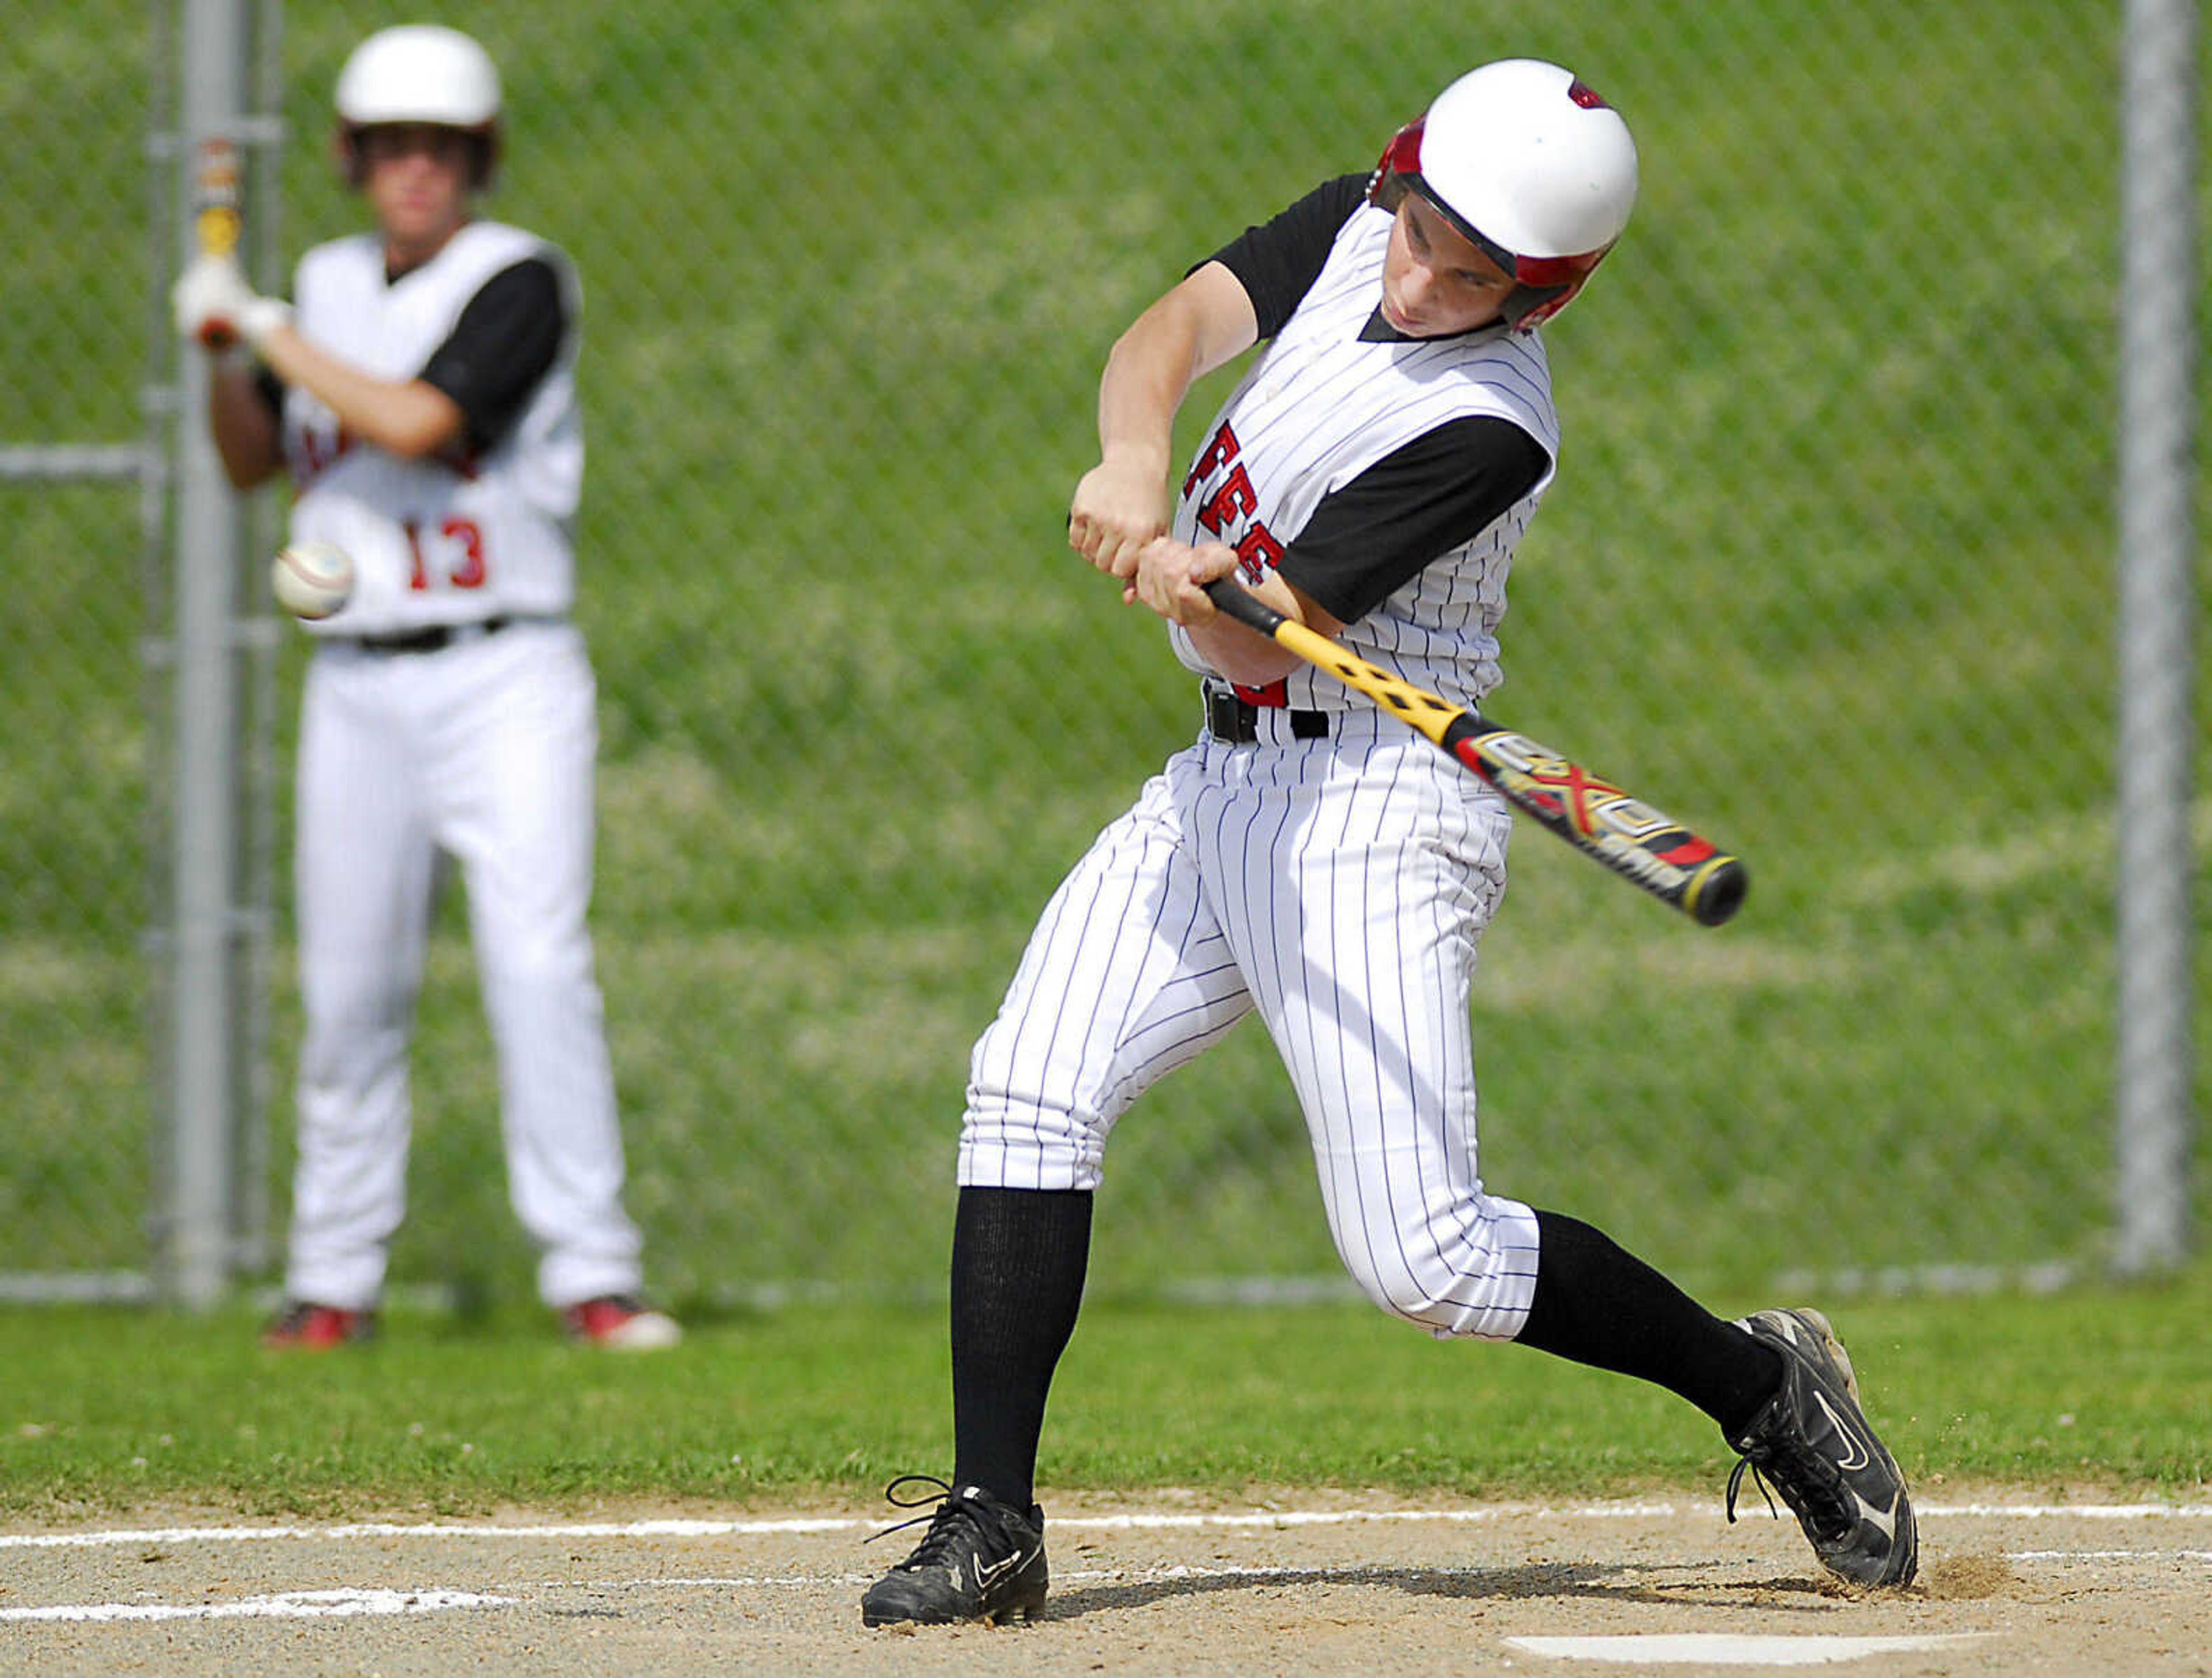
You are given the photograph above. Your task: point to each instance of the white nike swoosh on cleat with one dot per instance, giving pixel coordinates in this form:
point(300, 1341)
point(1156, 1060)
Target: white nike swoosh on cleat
point(1859, 1457)
point(987, 1577)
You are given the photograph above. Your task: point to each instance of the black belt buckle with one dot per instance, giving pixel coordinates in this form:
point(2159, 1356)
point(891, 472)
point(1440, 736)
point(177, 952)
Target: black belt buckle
point(1229, 719)
point(1234, 721)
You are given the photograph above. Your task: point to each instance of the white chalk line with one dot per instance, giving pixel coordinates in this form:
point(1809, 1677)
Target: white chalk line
point(1712, 1649)
point(1134, 1522)
point(1138, 1521)
point(284, 1605)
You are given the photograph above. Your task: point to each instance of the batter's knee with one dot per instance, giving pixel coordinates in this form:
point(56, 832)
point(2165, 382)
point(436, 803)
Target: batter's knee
point(1470, 1274)
point(1005, 1144)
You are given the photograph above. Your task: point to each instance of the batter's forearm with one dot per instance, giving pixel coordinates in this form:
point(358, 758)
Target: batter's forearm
point(1241, 655)
point(1147, 374)
point(245, 431)
point(409, 419)
point(1204, 323)
point(1122, 504)
point(1174, 582)
point(1244, 655)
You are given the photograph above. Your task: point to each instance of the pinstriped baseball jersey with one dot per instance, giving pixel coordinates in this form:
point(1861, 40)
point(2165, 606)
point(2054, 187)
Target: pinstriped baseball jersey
point(457, 538)
point(1323, 404)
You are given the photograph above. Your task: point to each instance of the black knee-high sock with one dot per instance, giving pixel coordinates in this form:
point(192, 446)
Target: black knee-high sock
point(1598, 1304)
point(1018, 1260)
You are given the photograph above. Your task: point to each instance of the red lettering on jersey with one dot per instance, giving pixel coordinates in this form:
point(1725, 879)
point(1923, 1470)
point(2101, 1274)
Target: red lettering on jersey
point(468, 570)
point(1235, 499)
point(321, 450)
point(1259, 552)
point(1218, 453)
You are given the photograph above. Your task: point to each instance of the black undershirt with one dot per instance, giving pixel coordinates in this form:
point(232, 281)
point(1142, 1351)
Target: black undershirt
point(1369, 537)
point(502, 346)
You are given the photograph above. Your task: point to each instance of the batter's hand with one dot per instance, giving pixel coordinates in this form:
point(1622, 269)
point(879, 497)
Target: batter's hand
point(1119, 507)
point(214, 304)
point(1171, 578)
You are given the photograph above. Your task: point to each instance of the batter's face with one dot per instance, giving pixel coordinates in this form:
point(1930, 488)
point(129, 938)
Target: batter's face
point(1435, 281)
point(415, 176)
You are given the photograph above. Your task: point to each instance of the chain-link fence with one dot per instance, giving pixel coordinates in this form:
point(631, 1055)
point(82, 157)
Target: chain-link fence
point(1829, 568)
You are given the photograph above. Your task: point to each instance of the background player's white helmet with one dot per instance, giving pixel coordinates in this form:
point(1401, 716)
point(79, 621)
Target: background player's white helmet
point(1531, 165)
point(420, 73)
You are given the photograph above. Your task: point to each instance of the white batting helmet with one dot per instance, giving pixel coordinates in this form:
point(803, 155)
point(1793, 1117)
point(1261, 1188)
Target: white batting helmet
point(1531, 165)
point(420, 73)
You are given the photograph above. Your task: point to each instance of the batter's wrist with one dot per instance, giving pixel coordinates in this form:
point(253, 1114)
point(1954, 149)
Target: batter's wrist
point(261, 316)
point(1151, 459)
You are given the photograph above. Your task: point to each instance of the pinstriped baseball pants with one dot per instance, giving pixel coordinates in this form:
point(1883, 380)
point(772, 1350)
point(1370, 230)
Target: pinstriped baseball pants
point(1337, 888)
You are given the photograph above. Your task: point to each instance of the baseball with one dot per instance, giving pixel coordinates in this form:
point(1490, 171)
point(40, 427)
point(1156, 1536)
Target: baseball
point(312, 579)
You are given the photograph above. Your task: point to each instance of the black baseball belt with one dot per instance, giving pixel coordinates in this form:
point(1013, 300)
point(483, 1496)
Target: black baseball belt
point(436, 637)
point(1235, 721)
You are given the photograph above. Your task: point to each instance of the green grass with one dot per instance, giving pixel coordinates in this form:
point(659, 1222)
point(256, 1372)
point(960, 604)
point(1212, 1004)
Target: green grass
point(1827, 569)
point(2092, 1390)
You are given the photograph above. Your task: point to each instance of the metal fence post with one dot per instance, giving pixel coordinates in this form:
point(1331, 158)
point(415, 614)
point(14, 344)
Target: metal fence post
point(205, 1077)
point(2157, 730)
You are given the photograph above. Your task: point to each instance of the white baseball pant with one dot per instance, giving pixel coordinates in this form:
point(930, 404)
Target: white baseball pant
point(1338, 887)
point(483, 751)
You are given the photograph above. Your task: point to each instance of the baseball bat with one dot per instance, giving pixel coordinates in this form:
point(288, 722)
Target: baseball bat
point(215, 214)
point(1636, 841)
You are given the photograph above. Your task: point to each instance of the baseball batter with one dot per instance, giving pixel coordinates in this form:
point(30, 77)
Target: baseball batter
point(420, 391)
point(1318, 864)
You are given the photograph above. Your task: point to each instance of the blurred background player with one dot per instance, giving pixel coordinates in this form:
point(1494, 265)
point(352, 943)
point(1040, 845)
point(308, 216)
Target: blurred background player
point(420, 392)
point(1318, 863)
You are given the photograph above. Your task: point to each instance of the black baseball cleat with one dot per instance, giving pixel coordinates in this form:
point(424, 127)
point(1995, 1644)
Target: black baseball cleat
point(1812, 1445)
point(979, 1561)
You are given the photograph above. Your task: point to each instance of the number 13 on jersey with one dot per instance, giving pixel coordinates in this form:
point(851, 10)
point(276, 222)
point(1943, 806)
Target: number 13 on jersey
point(450, 555)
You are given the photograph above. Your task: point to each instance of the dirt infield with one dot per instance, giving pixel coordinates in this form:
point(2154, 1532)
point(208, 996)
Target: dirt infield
point(1306, 1583)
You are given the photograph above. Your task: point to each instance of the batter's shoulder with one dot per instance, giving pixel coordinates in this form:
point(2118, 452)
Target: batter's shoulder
point(511, 247)
point(1277, 261)
point(352, 253)
point(1340, 195)
point(500, 243)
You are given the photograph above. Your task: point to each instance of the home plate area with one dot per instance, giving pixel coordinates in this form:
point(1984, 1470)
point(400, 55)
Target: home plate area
point(1310, 1584)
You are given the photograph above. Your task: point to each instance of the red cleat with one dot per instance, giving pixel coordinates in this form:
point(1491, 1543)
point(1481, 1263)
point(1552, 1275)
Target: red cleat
point(621, 1323)
point(303, 1326)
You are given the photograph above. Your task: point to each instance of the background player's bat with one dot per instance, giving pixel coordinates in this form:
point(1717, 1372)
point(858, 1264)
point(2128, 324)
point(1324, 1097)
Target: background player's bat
point(1597, 819)
point(215, 214)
